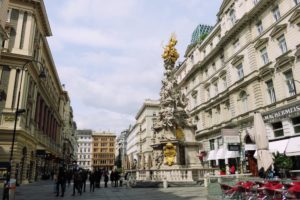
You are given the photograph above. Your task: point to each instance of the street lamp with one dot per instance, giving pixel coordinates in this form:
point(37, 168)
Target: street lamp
point(17, 113)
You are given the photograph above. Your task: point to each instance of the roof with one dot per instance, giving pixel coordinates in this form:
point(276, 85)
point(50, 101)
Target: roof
point(147, 103)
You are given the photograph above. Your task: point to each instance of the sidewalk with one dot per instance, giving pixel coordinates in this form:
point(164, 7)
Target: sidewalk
point(44, 190)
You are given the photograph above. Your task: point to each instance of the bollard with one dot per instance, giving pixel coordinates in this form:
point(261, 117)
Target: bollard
point(165, 183)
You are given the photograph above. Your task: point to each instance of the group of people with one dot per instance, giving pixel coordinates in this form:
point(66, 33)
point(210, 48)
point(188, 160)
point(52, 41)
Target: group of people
point(80, 177)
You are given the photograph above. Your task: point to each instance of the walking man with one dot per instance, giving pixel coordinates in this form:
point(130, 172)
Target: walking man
point(61, 181)
point(92, 181)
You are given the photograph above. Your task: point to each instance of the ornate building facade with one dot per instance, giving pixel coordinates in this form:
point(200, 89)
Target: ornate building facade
point(248, 63)
point(38, 147)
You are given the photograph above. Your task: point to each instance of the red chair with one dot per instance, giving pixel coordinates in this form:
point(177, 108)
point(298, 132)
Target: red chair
point(228, 191)
point(294, 192)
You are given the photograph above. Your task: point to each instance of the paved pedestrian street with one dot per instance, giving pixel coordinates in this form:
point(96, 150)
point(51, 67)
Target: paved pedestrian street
point(44, 190)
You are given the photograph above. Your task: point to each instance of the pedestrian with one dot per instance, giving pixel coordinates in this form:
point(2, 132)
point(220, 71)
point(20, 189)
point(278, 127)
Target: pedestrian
point(84, 178)
point(232, 169)
point(116, 178)
point(105, 179)
point(92, 181)
point(61, 181)
point(77, 182)
point(69, 177)
point(112, 178)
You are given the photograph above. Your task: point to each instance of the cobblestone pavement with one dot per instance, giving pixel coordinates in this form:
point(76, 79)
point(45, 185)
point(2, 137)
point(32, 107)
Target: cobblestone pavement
point(44, 190)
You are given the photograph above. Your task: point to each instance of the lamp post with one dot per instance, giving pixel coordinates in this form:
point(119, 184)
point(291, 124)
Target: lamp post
point(17, 113)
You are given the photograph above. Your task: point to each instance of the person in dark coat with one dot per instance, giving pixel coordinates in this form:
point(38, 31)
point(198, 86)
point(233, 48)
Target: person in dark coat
point(112, 178)
point(84, 179)
point(116, 178)
point(105, 178)
point(69, 177)
point(61, 181)
point(77, 182)
point(92, 181)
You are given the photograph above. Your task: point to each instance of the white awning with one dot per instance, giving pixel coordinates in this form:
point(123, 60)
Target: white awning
point(232, 154)
point(278, 146)
point(293, 147)
point(212, 155)
point(221, 153)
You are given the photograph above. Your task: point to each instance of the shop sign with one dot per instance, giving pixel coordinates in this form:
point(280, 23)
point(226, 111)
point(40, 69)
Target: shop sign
point(233, 147)
point(231, 139)
point(282, 113)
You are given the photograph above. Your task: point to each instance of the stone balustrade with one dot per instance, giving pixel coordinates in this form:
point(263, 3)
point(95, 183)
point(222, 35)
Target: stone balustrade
point(172, 175)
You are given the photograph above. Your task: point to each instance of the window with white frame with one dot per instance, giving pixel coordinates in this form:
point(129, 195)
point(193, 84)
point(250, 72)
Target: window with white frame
point(264, 56)
point(244, 101)
point(296, 124)
point(276, 13)
point(271, 91)
point(297, 2)
point(259, 27)
point(278, 129)
point(240, 71)
point(290, 82)
point(232, 17)
point(282, 44)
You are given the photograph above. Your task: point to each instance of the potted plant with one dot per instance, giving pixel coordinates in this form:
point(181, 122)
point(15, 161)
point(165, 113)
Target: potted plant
point(283, 162)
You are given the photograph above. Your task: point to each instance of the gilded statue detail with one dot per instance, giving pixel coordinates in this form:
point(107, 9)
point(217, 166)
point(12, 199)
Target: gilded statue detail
point(169, 153)
point(170, 53)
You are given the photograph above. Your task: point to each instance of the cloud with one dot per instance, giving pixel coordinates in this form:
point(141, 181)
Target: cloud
point(108, 53)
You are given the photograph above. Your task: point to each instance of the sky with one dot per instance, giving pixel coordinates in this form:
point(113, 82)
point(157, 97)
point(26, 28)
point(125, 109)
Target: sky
point(108, 52)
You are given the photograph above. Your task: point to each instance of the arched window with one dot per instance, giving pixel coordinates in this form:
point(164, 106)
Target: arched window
point(244, 101)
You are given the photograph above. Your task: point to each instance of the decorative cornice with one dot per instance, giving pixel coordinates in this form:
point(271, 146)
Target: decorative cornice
point(277, 29)
point(284, 60)
point(261, 42)
point(237, 59)
point(295, 16)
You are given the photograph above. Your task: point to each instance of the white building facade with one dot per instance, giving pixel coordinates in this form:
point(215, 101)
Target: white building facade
point(248, 63)
point(85, 149)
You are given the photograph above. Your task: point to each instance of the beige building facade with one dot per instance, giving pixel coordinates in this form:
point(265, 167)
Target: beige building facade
point(248, 63)
point(138, 140)
point(103, 150)
point(38, 147)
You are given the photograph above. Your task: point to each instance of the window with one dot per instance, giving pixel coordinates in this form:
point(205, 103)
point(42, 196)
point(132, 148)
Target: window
point(297, 2)
point(296, 124)
point(276, 13)
point(216, 88)
point(271, 91)
point(232, 17)
point(290, 83)
point(214, 66)
point(255, 2)
point(220, 142)
point(259, 27)
point(240, 71)
point(224, 82)
point(207, 93)
point(206, 73)
point(278, 129)
point(236, 45)
point(212, 144)
point(244, 101)
point(264, 56)
point(282, 44)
